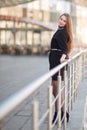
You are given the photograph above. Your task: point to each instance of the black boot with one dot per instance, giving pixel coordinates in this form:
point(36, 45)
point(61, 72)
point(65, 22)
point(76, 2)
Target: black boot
point(62, 115)
point(67, 116)
point(54, 118)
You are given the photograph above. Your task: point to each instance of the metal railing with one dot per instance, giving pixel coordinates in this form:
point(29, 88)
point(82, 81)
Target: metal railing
point(74, 71)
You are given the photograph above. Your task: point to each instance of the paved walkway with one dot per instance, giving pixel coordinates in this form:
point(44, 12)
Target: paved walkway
point(17, 72)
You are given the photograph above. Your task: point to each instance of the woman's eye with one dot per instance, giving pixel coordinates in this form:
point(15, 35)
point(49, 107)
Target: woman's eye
point(63, 20)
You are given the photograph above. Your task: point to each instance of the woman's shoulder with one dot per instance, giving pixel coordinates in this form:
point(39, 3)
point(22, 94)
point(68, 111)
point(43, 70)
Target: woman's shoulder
point(60, 32)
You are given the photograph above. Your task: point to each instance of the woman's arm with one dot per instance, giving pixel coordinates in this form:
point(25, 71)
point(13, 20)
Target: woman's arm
point(63, 44)
point(62, 59)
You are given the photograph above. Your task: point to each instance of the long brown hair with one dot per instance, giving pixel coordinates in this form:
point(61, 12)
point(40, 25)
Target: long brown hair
point(69, 30)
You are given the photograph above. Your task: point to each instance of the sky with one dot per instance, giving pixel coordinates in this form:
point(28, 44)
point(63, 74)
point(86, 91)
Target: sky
point(52, 1)
point(60, 5)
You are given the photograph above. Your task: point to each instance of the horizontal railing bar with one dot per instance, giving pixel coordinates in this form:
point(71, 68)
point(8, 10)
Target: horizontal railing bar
point(55, 99)
point(62, 88)
point(43, 117)
point(13, 101)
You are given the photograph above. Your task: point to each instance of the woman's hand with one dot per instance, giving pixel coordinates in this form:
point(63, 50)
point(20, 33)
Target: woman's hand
point(62, 59)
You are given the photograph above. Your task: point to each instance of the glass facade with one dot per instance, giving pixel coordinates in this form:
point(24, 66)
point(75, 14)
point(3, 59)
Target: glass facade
point(27, 24)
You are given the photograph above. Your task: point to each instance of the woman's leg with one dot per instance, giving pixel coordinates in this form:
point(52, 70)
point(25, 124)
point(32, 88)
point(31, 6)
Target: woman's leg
point(55, 92)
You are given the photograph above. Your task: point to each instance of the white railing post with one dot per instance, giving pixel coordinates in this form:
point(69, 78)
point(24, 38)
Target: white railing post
point(50, 108)
point(59, 102)
point(65, 87)
point(80, 69)
point(69, 89)
point(71, 86)
point(35, 115)
point(83, 65)
point(73, 96)
point(76, 76)
point(86, 66)
point(85, 115)
point(74, 80)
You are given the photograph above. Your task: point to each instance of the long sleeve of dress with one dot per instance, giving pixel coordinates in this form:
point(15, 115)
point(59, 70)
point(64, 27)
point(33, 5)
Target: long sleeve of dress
point(62, 42)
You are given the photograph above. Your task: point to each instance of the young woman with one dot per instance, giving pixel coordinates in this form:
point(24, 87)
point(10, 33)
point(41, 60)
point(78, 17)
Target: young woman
point(61, 45)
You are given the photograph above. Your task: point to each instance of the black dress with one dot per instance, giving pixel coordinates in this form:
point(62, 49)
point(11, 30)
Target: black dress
point(59, 41)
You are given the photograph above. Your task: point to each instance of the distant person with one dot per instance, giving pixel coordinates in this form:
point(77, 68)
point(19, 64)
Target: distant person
point(61, 45)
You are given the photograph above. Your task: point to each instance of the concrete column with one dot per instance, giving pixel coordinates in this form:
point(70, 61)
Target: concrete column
point(26, 34)
point(32, 38)
point(14, 31)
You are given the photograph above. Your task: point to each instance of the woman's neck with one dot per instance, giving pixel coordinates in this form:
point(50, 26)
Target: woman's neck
point(60, 28)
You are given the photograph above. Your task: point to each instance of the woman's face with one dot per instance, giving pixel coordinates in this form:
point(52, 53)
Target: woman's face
point(62, 21)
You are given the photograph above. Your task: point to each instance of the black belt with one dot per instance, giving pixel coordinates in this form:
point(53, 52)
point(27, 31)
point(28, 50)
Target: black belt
point(55, 49)
point(67, 57)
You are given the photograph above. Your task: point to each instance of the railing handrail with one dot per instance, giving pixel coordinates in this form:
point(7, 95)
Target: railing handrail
point(13, 101)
